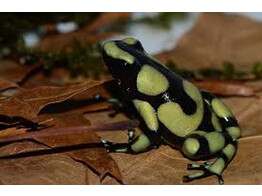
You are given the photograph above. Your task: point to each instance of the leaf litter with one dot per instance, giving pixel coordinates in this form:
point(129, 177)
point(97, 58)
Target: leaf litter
point(159, 166)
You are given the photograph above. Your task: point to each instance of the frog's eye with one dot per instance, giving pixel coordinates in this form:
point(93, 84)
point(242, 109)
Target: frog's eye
point(133, 43)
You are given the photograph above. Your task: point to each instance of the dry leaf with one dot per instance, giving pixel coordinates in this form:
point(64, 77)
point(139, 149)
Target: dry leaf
point(17, 108)
point(105, 19)
point(42, 96)
point(81, 145)
point(42, 169)
point(97, 158)
point(216, 38)
point(28, 103)
point(60, 42)
point(16, 73)
point(12, 131)
point(227, 88)
point(5, 84)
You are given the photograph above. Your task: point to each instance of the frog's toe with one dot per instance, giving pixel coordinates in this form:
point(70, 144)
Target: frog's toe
point(131, 135)
point(107, 144)
point(117, 104)
point(194, 166)
point(190, 177)
point(203, 172)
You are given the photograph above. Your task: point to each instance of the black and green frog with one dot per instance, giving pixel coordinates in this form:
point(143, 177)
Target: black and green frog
point(173, 111)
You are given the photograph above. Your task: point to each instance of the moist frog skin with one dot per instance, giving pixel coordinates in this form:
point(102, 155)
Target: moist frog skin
point(173, 111)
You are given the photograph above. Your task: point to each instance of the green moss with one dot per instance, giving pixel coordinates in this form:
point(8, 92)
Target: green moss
point(257, 69)
point(81, 59)
point(228, 69)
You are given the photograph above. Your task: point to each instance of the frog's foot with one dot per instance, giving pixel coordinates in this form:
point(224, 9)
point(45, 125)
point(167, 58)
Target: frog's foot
point(204, 171)
point(116, 103)
point(116, 147)
point(117, 106)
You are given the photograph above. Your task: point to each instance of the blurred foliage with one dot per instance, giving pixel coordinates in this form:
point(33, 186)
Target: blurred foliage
point(162, 19)
point(182, 72)
point(257, 69)
point(13, 25)
point(227, 71)
point(80, 59)
point(85, 59)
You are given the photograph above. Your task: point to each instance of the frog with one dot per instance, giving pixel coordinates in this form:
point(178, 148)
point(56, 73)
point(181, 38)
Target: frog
point(172, 110)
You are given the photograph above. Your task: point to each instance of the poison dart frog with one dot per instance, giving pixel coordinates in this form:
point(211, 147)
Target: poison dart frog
point(173, 111)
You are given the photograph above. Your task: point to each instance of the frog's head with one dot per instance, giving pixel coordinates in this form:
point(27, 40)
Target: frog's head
point(124, 59)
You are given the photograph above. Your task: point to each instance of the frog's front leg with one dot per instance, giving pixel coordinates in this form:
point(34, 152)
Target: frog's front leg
point(117, 105)
point(143, 142)
point(201, 145)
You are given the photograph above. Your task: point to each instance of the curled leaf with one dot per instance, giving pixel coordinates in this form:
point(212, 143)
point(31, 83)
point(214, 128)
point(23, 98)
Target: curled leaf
point(28, 103)
point(227, 88)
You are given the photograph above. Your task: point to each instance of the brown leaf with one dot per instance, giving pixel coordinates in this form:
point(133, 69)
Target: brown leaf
point(16, 73)
point(12, 131)
point(41, 169)
point(56, 78)
point(226, 88)
point(5, 84)
point(15, 107)
point(28, 103)
point(93, 154)
point(62, 41)
point(97, 158)
point(216, 38)
point(105, 19)
point(66, 131)
point(97, 107)
point(66, 120)
point(42, 96)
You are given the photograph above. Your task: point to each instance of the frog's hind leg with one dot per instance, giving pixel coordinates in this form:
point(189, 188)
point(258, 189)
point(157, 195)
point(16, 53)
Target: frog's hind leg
point(222, 142)
point(225, 117)
point(200, 145)
point(141, 144)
